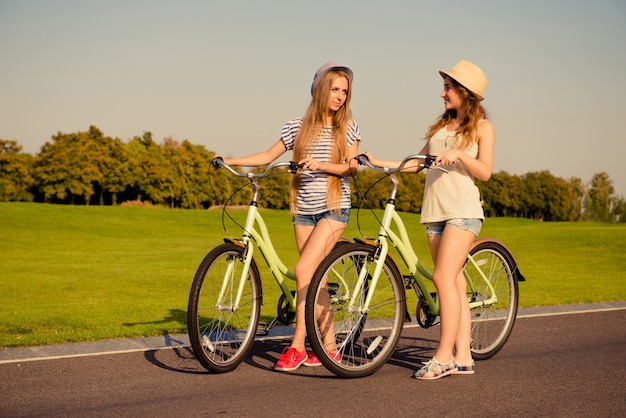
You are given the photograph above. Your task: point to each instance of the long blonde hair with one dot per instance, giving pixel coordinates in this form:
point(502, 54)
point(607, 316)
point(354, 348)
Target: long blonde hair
point(309, 135)
point(474, 113)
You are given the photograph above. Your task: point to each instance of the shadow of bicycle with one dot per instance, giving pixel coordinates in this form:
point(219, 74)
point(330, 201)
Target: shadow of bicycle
point(415, 346)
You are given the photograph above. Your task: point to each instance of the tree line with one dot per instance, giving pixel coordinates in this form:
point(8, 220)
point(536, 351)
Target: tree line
point(89, 168)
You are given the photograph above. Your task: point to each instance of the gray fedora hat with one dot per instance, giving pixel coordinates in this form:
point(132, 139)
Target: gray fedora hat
point(325, 69)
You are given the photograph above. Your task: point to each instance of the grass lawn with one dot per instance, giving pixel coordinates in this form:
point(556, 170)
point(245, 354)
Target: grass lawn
point(80, 273)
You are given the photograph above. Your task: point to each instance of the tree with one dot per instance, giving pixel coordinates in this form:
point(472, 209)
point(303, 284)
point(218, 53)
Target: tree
point(111, 158)
point(410, 192)
point(579, 194)
point(15, 172)
point(619, 209)
point(197, 169)
point(150, 172)
point(66, 168)
point(276, 191)
point(598, 202)
point(88, 167)
point(371, 186)
point(501, 194)
point(188, 166)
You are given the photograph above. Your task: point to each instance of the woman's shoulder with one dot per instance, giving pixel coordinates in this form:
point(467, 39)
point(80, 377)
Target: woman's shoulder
point(295, 121)
point(291, 127)
point(485, 125)
point(486, 130)
point(484, 122)
point(353, 130)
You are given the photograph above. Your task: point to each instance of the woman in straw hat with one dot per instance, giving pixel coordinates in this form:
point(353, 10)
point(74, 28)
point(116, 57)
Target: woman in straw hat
point(463, 141)
point(325, 141)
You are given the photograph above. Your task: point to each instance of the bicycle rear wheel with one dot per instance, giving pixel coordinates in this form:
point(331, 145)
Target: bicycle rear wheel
point(492, 321)
point(221, 334)
point(348, 340)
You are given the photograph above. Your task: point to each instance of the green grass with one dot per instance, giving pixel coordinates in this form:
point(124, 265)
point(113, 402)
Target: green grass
point(77, 273)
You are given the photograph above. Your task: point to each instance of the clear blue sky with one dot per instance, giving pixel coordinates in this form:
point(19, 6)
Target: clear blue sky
point(228, 74)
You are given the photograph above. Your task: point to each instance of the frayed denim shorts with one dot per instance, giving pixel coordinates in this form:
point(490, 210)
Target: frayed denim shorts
point(472, 225)
point(311, 220)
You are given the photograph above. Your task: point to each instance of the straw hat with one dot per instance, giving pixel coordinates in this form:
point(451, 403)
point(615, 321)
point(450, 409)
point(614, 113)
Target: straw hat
point(326, 68)
point(469, 76)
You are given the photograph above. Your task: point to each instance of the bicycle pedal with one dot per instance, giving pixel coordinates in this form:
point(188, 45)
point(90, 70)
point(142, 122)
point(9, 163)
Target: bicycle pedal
point(333, 288)
point(408, 281)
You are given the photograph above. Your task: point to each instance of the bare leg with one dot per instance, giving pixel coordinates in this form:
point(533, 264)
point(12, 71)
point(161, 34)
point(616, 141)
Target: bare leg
point(463, 352)
point(449, 253)
point(325, 319)
point(314, 243)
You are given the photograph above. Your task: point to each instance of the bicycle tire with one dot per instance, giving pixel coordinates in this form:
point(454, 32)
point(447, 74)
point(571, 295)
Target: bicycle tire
point(220, 336)
point(491, 323)
point(364, 341)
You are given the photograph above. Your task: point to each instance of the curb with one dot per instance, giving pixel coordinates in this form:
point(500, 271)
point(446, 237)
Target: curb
point(104, 347)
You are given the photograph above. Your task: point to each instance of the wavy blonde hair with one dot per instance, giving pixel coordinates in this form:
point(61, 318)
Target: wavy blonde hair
point(474, 113)
point(309, 135)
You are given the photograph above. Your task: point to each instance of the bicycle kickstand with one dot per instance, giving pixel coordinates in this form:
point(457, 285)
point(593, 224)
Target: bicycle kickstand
point(264, 331)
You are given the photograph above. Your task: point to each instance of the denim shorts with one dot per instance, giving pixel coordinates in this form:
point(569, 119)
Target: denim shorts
point(472, 225)
point(311, 220)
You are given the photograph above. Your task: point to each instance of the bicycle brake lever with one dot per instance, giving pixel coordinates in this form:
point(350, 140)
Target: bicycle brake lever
point(434, 167)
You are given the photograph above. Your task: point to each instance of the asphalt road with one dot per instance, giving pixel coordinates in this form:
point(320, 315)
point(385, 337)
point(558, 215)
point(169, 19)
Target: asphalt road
point(559, 363)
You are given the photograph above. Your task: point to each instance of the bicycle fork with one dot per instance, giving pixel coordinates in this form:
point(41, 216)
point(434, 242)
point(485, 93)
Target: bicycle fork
point(230, 281)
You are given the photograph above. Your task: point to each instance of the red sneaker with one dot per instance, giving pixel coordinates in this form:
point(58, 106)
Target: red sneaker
point(290, 359)
point(313, 361)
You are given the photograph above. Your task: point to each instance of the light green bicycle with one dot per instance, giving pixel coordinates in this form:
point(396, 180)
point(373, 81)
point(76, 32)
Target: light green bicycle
point(226, 294)
point(367, 293)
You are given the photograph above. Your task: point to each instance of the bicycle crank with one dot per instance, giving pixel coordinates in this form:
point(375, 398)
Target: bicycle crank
point(424, 318)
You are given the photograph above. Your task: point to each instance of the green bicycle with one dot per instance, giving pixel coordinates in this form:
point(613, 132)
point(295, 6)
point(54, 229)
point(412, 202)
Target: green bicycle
point(367, 293)
point(226, 294)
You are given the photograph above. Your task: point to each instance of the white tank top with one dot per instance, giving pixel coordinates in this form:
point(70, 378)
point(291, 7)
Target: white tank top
point(453, 194)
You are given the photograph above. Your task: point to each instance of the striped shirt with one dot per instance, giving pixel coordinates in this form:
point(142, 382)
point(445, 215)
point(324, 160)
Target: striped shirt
point(313, 190)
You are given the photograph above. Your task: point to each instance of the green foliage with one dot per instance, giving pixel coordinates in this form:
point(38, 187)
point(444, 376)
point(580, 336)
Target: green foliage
point(598, 202)
point(68, 167)
point(15, 173)
point(79, 273)
point(91, 168)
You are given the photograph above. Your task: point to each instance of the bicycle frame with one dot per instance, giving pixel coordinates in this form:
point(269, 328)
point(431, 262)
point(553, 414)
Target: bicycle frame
point(255, 229)
point(226, 295)
point(402, 243)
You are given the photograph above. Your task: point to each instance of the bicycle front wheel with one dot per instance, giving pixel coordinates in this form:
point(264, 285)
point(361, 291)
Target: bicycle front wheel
point(350, 339)
point(493, 312)
point(221, 331)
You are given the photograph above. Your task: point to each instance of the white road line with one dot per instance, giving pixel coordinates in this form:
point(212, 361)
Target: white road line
point(553, 311)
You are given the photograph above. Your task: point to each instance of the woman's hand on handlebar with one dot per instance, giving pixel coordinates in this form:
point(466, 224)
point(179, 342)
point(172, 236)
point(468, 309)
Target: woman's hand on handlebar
point(380, 163)
point(309, 164)
point(373, 161)
point(217, 162)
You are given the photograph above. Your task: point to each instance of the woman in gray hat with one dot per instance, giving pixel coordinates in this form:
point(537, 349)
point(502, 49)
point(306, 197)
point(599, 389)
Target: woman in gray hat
point(463, 141)
point(325, 141)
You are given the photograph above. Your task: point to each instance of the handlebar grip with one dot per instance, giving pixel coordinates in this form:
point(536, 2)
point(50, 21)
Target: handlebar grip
point(217, 162)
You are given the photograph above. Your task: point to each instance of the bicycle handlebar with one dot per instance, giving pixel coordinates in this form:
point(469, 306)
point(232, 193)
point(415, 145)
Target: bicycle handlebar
point(293, 168)
point(428, 163)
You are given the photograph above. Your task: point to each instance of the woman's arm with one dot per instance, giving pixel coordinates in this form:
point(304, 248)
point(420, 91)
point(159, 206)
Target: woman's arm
point(412, 166)
point(482, 166)
point(260, 158)
point(349, 168)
